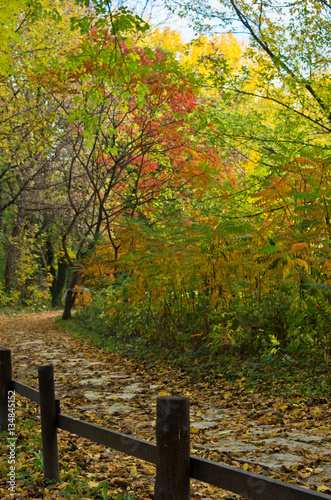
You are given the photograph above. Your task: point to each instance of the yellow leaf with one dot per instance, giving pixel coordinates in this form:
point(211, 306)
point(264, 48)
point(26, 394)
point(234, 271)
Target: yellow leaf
point(304, 475)
point(63, 485)
point(323, 488)
point(283, 407)
point(194, 430)
point(163, 394)
point(133, 471)
point(245, 466)
point(93, 484)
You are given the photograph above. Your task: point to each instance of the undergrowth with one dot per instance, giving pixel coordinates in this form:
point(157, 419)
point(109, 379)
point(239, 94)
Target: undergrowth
point(270, 371)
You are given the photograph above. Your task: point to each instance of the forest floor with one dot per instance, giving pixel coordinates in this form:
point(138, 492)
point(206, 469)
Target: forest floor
point(284, 438)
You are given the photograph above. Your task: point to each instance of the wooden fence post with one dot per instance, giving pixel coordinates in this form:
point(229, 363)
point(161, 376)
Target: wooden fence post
point(5, 383)
point(173, 449)
point(48, 422)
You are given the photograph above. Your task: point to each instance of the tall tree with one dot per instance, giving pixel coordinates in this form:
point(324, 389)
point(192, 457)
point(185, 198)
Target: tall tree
point(30, 128)
point(33, 129)
point(286, 78)
point(130, 137)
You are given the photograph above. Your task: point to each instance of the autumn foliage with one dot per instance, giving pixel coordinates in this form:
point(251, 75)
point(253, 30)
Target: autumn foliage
point(186, 185)
point(228, 282)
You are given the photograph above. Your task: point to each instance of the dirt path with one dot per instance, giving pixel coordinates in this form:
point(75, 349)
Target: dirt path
point(288, 440)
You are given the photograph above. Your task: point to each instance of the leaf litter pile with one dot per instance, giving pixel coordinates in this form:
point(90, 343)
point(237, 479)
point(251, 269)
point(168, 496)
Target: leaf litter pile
point(286, 439)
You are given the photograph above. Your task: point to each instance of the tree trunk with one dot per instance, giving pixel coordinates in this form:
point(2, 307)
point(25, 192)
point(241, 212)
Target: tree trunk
point(71, 294)
point(59, 282)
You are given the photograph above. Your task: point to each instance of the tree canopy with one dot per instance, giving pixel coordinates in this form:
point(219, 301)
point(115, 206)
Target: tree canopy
point(181, 189)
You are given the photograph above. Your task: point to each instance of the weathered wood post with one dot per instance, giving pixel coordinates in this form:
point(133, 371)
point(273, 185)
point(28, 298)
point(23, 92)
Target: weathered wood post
point(5, 383)
point(173, 449)
point(48, 422)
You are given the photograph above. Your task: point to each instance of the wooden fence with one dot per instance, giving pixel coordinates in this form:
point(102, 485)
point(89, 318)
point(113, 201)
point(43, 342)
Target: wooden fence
point(171, 453)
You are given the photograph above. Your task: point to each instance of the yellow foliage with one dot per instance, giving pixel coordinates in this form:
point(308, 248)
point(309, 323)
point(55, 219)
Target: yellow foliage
point(34, 39)
point(199, 54)
point(166, 39)
point(202, 51)
point(251, 162)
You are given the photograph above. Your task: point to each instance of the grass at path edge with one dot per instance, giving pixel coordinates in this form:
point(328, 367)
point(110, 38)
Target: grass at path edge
point(269, 373)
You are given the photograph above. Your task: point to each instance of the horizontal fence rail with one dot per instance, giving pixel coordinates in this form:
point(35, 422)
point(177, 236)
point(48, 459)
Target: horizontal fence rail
point(171, 453)
point(120, 442)
point(248, 484)
point(26, 391)
point(32, 394)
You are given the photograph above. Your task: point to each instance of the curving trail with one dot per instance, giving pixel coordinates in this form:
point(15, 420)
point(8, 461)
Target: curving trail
point(287, 440)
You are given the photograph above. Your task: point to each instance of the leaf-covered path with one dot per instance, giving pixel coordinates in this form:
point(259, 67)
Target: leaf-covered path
point(285, 439)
